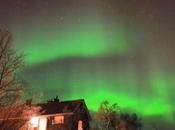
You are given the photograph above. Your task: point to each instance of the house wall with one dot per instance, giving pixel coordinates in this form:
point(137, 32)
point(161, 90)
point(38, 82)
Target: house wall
point(81, 114)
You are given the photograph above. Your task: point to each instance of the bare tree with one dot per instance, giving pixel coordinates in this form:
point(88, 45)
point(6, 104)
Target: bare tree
point(13, 114)
point(11, 86)
point(17, 117)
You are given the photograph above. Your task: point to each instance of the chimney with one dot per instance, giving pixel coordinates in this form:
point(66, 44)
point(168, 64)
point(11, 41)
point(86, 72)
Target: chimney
point(53, 101)
point(29, 102)
point(56, 99)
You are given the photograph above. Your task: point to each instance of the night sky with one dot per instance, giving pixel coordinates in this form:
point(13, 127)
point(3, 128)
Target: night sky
point(119, 50)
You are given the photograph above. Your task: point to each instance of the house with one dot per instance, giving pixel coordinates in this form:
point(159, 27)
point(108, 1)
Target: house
point(59, 115)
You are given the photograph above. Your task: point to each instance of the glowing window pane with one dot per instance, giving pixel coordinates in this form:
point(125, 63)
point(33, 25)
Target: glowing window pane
point(80, 125)
point(58, 120)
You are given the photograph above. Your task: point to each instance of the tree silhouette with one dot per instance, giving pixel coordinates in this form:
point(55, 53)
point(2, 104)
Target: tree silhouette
point(129, 122)
point(12, 111)
point(107, 115)
point(110, 117)
point(11, 86)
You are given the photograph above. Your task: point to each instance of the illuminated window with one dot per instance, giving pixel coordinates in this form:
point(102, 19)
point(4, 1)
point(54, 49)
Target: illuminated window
point(58, 120)
point(80, 125)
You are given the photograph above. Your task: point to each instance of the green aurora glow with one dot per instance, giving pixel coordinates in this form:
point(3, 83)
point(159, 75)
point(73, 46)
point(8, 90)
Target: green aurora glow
point(87, 40)
point(94, 41)
point(99, 50)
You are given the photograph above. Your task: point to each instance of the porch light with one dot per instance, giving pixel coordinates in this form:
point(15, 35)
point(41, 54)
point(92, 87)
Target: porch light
point(34, 121)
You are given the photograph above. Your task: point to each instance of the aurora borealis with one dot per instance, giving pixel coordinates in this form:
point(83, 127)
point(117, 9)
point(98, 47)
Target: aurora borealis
point(118, 50)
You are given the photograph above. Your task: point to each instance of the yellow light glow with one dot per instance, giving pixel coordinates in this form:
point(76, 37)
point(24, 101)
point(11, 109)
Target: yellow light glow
point(42, 123)
point(58, 120)
point(80, 125)
point(34, 121)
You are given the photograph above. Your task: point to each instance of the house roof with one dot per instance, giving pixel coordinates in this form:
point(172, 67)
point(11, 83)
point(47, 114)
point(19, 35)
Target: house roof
point(50, 108)
point(55, 106)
